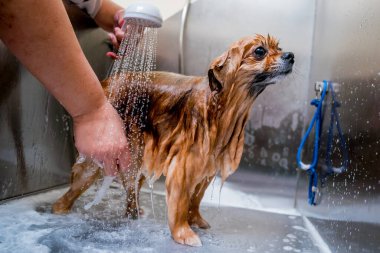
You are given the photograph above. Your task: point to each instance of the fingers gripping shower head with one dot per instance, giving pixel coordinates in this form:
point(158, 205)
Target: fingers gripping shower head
point(144, 14)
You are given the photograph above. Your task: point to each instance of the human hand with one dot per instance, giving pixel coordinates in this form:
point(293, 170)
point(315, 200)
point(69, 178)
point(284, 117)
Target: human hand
point(100, 135)
point(118, 34)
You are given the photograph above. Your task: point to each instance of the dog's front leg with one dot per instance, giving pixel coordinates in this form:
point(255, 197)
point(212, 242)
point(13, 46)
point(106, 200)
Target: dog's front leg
point(178, 202)
point(83, 175)
point(133, 209)
point(195, 218)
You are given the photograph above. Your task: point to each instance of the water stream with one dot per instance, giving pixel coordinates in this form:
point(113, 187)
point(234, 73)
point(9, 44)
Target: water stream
point(130, 79)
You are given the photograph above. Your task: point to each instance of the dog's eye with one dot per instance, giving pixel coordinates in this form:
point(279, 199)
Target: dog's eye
point(260, 52)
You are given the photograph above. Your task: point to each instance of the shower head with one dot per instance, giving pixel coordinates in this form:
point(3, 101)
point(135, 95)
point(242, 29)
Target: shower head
point(144, 14)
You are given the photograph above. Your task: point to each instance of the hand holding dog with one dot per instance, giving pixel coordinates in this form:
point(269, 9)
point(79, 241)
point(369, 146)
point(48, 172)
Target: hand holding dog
point(100, 135)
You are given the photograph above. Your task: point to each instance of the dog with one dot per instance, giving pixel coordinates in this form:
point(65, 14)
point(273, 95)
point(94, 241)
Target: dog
point(194, 129)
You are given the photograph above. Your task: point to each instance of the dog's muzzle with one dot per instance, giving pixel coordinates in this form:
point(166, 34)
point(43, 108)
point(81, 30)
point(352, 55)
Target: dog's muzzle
point(288, 61)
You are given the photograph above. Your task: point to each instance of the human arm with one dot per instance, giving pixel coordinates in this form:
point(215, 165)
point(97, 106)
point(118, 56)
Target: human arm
point(40, 35)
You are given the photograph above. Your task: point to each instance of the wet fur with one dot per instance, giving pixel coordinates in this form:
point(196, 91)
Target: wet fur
point(194, 130)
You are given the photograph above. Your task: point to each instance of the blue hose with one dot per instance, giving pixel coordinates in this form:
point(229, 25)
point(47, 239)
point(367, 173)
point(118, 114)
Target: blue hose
point(317, 120)
point(334, 120)
point(311, 168)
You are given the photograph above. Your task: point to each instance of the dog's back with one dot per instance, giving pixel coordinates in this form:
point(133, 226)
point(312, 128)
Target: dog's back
point(176, 120)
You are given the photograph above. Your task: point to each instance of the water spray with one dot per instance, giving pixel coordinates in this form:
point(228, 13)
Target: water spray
point(139, 17)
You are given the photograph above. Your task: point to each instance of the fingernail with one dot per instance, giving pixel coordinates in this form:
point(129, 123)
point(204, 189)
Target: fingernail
point(112, 55)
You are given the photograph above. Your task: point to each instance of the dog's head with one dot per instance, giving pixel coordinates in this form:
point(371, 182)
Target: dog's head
point(251, 63)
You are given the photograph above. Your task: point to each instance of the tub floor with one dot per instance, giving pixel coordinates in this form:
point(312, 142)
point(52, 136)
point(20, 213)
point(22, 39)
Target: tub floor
point(27, 225)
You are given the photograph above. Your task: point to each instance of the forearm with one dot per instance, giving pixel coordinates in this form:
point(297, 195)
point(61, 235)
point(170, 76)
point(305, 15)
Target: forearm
point(105, 17)
point(39, 33)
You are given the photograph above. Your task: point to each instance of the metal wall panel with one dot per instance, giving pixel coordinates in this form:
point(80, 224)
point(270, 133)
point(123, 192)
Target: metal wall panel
point(346, 51)
point(35, 141)
point(168, 44)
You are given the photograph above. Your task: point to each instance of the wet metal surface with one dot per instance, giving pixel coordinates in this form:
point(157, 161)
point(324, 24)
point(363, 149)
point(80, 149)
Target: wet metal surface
point(343, 236)
point(35, 139)
point(343, 49)
point(346, 52)
point(104, 228)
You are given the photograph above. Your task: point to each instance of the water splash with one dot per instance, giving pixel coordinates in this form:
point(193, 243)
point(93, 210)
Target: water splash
point(107, 181)
point(130, 79)
point(150, 183)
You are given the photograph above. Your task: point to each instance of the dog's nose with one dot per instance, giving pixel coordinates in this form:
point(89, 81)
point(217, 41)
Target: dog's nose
point(289, 56)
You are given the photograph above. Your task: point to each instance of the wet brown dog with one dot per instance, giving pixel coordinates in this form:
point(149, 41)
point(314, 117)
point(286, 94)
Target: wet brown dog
point(194, 130)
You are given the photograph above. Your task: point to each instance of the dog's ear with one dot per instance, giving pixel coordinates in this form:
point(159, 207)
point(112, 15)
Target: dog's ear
point(214, 73)
point(223, 68)
point(214, 83)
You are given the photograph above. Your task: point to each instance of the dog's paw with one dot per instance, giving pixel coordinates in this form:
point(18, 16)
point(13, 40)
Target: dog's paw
point(187, 236)
point(133, 214)
point(198, 221)
point(59, 208)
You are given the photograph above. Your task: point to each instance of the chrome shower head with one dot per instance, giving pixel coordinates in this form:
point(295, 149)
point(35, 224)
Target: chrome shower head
point(145, 14)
